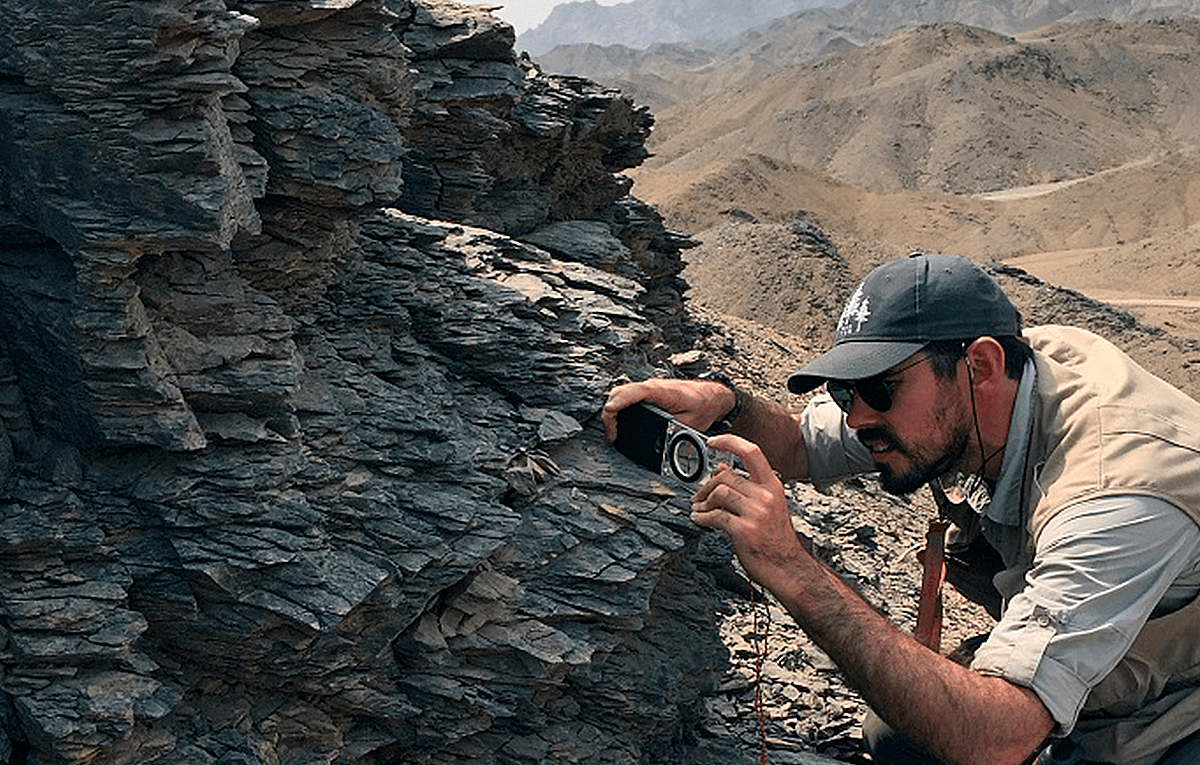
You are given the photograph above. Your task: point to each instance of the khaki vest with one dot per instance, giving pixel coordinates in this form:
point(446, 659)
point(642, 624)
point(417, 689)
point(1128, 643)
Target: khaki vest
point(1104, 426)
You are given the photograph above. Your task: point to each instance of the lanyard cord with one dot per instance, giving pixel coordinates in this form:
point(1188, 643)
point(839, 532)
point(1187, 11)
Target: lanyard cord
point(978, 433)
point(759, 644)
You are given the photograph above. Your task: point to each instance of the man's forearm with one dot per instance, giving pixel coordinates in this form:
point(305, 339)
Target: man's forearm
point(777, 432)
point(960, 715)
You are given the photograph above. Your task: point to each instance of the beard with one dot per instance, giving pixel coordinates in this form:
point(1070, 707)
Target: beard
point(924, 465)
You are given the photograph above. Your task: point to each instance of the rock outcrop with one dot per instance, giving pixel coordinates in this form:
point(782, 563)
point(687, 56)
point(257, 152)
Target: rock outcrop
point(307, 310)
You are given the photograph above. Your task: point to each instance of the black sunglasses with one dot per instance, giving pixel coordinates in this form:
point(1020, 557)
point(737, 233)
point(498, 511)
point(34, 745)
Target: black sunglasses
point(876, 392)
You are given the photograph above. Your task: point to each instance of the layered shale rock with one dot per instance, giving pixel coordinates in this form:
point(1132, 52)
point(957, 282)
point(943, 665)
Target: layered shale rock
point(307, 310)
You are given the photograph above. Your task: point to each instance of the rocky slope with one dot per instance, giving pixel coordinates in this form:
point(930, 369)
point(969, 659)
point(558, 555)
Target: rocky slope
point(307, 310)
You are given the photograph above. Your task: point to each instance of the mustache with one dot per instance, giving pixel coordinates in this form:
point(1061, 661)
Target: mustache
point(878, 433)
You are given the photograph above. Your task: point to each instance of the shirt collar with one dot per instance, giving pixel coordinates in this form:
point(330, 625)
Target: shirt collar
point(1001, 503)
point(1005, 506)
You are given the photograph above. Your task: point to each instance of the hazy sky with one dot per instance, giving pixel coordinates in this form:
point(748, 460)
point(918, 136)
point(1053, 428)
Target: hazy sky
point(527, 14)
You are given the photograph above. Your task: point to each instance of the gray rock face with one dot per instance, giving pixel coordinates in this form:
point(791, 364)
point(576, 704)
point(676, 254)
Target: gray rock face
point(299, 450)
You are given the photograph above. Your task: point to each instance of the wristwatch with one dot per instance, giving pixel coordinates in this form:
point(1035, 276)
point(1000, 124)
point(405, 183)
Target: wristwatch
point(725, 424)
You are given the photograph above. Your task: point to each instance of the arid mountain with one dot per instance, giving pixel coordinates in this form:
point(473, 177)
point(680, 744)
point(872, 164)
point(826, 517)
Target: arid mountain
point(955, 108)
point(1069, 151)
point(641, 23)
point(671, 71)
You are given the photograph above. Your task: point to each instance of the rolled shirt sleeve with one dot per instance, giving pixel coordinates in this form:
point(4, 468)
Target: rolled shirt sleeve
point(834, 452)
point(1101, 568)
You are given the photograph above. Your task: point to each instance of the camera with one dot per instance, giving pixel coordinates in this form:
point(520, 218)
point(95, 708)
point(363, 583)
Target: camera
point(660, 443)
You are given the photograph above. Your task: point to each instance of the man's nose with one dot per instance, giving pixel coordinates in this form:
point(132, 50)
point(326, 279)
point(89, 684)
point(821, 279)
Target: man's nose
point(861, 415)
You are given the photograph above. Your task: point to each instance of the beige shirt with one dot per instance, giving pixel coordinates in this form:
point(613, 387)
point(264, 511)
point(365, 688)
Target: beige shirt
point(1101, 566)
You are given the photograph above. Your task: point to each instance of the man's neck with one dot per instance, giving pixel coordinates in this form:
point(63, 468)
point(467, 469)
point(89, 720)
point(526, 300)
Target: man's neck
point(995, 418)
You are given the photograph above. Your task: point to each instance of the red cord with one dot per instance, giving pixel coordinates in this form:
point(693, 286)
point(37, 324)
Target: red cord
point(760, 655)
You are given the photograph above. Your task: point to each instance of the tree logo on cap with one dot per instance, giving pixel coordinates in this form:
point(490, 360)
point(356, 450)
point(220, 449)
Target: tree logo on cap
point(855, 314)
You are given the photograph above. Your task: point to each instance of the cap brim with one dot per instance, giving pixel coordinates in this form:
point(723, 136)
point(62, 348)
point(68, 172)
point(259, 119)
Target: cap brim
point(851, 361)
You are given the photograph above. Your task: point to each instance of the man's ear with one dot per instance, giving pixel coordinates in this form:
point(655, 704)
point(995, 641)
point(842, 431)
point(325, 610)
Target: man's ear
point(985, 361)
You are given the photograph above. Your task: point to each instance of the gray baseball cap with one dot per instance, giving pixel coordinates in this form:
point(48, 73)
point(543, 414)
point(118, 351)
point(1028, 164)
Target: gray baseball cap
point(901, 307)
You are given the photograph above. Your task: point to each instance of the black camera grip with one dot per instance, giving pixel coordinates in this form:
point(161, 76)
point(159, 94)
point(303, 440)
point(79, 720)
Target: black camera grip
point(642, 435)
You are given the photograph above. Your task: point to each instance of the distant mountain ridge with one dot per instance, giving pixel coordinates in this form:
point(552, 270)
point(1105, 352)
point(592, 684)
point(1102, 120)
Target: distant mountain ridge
point(642, 23)
point(669, 71)
point(1006, 16)
point(1069, 149)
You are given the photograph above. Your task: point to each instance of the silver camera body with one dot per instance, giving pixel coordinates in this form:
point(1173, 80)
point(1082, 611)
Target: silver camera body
point(658, 442)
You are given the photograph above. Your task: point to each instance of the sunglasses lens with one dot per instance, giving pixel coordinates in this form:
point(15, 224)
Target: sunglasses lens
point(842, 393)
point(874, 392)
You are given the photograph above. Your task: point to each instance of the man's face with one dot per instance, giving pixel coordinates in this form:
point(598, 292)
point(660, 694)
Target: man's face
point(925, 433)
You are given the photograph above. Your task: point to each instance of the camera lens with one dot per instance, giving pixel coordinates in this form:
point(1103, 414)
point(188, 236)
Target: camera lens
point(687, 457)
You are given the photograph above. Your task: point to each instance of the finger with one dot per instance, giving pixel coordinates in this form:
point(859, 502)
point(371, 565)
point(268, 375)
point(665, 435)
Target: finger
point(757, 466)
point(718, 477)
point(608, 416)
point(721, 492)
point(619, 398)
point(710, 519)
point(622, 396)
point(725, 506)
point(657, 392)
point(717, 510)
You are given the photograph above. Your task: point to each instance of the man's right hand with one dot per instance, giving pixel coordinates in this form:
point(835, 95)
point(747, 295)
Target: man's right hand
point(695, 403)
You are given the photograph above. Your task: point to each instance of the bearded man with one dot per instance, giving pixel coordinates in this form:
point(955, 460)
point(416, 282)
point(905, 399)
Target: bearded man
point(1071, 477)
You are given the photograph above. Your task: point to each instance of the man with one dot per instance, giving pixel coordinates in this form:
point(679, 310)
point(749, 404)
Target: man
point(1071, 475)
